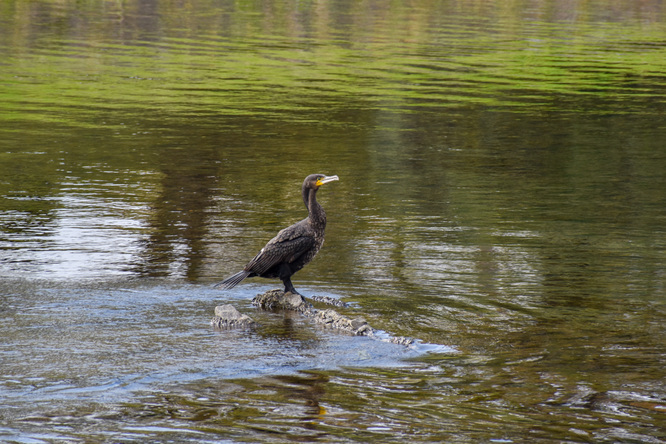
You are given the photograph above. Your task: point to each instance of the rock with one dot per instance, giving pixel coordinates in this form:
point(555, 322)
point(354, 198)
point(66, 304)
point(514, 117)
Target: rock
point(401, 340)
point(330, 301)
point(279, 300)
point(332, 318)
point(226, 316)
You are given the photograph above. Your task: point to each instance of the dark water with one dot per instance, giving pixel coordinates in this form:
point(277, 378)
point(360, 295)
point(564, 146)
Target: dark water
point(502, 198)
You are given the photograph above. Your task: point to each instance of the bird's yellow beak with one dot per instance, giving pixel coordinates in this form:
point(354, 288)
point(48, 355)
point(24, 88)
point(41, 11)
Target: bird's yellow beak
point(326, 179)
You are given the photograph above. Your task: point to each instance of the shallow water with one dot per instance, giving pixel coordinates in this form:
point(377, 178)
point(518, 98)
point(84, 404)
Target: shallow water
point(502, 198)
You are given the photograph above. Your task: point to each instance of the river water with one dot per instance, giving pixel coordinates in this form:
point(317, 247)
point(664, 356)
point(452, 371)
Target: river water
point(502, 199)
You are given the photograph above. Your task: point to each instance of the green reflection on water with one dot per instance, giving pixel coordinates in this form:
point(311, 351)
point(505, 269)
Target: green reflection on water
point(107, 71)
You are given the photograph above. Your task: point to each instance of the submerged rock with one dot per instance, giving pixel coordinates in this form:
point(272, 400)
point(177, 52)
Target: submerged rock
point(401, 340)
point(226, 316)
point(331, 318)
point(330, 301)
point(279, 300)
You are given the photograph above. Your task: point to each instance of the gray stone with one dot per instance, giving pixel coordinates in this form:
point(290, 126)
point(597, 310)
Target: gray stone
point(279, 300)
point(330, 301)
point(401, 340)
point(332, 318)
point(226, 316)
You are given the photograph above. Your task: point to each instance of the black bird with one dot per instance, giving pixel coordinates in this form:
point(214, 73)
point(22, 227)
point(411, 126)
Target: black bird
point(293, 247)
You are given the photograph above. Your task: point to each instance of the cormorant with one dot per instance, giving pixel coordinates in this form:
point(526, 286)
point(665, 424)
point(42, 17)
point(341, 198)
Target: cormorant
point(293, 247)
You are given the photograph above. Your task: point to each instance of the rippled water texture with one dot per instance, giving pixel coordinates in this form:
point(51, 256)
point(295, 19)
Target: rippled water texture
point(502, 199)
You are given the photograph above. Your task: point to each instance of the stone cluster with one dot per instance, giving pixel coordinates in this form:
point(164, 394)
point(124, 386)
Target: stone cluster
point(226, 316)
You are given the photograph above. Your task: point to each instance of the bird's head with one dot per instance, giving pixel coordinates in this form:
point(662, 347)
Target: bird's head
point(314, 181)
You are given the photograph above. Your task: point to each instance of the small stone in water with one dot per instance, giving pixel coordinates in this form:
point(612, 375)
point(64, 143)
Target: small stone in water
point(330, 301)
point(226, 316)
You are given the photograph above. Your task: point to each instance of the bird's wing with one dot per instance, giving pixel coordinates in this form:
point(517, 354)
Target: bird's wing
point(287, 246)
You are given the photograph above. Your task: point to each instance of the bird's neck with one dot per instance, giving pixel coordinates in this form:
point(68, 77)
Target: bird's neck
point(315, 211)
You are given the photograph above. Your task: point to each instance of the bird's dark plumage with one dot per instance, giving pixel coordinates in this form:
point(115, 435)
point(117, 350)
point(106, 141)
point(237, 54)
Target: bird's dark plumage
point(293, 247)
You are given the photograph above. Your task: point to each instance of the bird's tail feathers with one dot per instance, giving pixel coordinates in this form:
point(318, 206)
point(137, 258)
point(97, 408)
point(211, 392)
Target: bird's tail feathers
point(232, 281)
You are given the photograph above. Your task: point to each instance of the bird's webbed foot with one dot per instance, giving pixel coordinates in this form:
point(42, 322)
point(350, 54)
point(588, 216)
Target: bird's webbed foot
point(292, 290)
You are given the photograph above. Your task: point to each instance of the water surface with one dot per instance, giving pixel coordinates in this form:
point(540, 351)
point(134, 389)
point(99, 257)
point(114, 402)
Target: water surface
point(501, 195)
